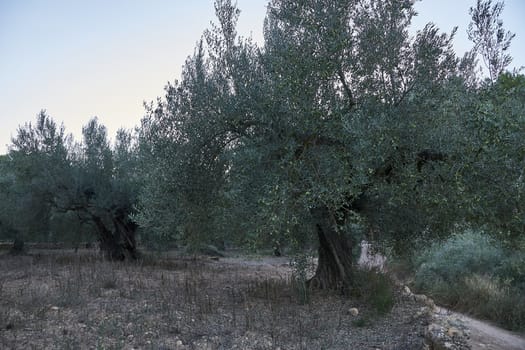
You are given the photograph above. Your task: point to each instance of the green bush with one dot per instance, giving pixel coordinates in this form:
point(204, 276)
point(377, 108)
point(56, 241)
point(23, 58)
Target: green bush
point(512, 270)
point(463, 254)
point(475, 274)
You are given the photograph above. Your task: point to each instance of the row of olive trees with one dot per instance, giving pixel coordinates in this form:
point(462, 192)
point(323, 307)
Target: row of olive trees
point(49, 183)
point(340, 117)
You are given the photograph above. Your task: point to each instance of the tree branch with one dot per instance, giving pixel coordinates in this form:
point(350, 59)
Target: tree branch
point(348, 92)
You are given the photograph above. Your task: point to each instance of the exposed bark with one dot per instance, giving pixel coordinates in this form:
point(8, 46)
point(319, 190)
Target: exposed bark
point(334, 269)
point(126, 230)
point(348, 91)
point(119, 243)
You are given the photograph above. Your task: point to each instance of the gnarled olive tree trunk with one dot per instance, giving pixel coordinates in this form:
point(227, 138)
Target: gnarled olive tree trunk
point(334, 269)
point(117, 242)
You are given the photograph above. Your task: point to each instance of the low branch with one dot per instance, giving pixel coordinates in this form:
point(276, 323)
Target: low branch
point(348, 92)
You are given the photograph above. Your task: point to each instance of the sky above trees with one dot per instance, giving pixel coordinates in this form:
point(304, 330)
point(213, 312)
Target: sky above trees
point(98, 58)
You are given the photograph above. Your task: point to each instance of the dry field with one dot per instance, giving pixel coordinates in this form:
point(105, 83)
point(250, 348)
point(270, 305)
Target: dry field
point(66, 300)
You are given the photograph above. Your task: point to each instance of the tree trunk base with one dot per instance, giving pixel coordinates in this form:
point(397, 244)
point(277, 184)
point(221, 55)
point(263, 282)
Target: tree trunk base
point(117, 244)
point(334, 269)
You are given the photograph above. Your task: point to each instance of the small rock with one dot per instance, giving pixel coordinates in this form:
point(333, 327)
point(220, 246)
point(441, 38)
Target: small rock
point(407, 291)
point(448, 345)
point(353, 311)
point(453, 332)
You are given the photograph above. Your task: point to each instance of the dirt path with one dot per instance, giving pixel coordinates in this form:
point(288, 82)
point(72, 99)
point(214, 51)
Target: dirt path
point(484, 336)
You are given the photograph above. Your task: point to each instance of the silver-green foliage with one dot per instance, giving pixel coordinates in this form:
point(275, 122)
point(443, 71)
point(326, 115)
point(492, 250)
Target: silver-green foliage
point(475, 273)
point(445, 264)
point(470, 252)
point(491, 40)
point(338, 91)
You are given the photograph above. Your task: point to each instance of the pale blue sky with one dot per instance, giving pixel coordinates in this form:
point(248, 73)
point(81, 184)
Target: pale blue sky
point(78, 59)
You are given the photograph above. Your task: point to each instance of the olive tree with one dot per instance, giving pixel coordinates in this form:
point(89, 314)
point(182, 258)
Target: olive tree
point(342, 115)
point(87, 185)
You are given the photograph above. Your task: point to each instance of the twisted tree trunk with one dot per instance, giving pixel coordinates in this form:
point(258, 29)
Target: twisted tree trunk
point(334, 269)
point(119, 243)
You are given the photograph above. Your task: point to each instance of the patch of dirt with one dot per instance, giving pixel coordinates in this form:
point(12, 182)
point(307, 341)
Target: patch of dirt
point(59, 300)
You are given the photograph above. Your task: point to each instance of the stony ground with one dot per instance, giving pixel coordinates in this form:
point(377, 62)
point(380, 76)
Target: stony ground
point(67, 300)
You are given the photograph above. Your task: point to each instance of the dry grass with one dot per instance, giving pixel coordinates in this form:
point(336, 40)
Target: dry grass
point(62, 300)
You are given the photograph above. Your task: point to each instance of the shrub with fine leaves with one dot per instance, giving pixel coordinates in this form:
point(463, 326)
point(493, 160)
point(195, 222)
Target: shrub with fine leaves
point(463, 254)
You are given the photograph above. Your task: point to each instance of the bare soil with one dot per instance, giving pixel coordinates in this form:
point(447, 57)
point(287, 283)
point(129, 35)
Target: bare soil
point(66, 300)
